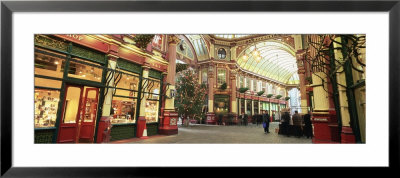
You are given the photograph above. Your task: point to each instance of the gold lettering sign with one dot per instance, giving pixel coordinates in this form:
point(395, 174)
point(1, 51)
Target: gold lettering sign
point(77, 37)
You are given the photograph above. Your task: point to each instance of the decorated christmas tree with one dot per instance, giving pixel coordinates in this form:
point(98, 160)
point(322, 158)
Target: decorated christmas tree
point(190, 96)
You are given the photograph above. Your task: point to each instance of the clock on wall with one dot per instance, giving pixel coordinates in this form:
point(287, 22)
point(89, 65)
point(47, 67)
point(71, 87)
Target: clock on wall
point(221, 53)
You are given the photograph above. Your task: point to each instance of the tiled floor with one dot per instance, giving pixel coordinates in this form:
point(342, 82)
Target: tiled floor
point(198, 134)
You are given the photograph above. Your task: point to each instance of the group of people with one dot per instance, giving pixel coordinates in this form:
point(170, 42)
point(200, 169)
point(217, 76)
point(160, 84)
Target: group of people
point(264, 117)
point(300, 125)
point(295, 125)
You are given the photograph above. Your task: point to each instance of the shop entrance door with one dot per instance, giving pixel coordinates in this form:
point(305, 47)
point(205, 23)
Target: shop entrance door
point(78, 114)
point(68, 128)
point(89, 113)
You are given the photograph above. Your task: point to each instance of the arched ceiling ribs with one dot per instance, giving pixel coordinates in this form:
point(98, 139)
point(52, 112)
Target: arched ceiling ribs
point(277, 62)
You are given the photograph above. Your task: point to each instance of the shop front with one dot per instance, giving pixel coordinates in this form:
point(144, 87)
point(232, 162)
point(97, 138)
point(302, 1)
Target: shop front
point(72, 84)
point(68, 83)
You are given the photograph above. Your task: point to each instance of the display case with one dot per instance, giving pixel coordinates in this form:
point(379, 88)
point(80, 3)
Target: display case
point(46, 106)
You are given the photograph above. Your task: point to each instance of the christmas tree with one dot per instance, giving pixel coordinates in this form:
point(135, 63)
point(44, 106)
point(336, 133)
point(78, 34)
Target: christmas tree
point(190, 95)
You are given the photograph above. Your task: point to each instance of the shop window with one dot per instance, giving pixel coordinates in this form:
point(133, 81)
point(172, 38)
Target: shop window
point(46, 106)
point(242, 106)
point(128, 85)
point(85, 70)
point(152, 100)
point(153, 89)
point(248, 105)
point(124, 102)
point(123, 110)
point(48, 63)
point(221, 77)
point(204, 76)
point(221, 104)
point(255, 107)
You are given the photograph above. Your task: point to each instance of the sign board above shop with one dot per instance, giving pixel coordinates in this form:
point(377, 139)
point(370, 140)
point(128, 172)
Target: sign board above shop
point(87, 41)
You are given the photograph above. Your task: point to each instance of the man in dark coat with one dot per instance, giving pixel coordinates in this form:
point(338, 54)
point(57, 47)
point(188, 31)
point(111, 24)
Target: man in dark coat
point(285, 123)
point(307, 125)
point(297, 124)
point(265, 119)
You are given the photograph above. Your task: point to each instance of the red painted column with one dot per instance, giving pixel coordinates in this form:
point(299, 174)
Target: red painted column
point(210, 113)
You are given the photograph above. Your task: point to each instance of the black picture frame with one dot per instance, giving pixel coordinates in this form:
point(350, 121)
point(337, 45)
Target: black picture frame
point(8, 7)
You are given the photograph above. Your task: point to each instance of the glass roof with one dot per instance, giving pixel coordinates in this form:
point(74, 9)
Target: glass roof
point(277, 61)
point(199, 46)
point(231, 36)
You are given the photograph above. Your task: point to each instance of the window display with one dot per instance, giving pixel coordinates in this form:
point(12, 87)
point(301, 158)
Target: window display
point(46, 106)
point(153, 89)
point(151, 111)
point(124, 102)
point(123, 110)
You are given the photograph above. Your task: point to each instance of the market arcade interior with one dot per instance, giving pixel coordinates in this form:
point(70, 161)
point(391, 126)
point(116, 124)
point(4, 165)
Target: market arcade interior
point(93, 88)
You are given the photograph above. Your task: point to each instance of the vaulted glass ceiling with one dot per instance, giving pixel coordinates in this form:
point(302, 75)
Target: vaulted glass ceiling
point(277, 61)
point(199, 46)
point(231, 36)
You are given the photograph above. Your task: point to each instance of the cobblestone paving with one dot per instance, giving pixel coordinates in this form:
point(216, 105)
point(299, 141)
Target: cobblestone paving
point(198, 134)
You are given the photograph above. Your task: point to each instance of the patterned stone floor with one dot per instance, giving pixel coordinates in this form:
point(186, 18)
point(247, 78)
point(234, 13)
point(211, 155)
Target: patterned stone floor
point(198, 134)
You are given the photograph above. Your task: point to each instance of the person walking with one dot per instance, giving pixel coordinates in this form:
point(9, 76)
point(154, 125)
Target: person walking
point(307, 125)
point(265, 120)
point(242, 119)
point(297, 124)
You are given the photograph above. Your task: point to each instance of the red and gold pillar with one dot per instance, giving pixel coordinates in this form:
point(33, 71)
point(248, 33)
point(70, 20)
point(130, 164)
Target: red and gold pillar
point(210, 113)
point(233, 94)
point(170, 117)
point(302, 82)
point(324, 118)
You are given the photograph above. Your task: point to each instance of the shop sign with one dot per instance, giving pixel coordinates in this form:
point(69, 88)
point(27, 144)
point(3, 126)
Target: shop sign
point(129, 55)
point(156, 65)
point(47, 42)
point(88, 41)
point(320, 119)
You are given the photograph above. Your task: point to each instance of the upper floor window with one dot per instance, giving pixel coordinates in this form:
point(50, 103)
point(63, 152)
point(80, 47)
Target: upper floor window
point(221, 78)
